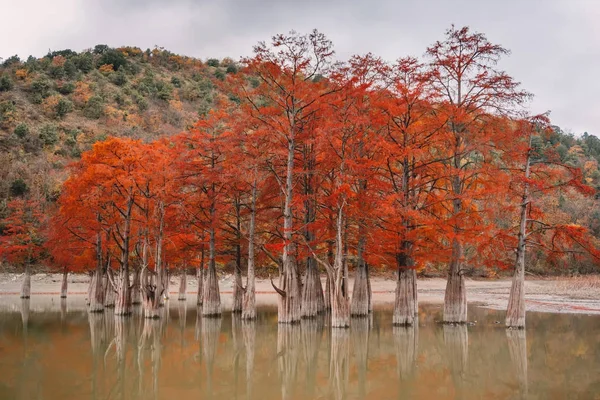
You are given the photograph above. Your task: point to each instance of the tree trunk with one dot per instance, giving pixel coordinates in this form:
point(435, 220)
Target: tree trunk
point(360, 293)
point(136, 294)
point(340, 307)
point(64, 285)
point(182, 284)
point(313, 302)
point(108, 289)
point(238, 291)
point(200, 277)
point(249, 300)
point(455, 299)
point(515, 313)
point(289, 305)
point(26, 287)
point(404, 308)
point(96, 298)
point(211, 303)
point(123, 301)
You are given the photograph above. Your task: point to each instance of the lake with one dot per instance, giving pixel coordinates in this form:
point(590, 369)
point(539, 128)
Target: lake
point(58, 351)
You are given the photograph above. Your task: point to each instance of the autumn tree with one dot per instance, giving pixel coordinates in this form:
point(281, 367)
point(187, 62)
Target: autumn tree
point(284, 103)
point(21, 241)
point(467, 87)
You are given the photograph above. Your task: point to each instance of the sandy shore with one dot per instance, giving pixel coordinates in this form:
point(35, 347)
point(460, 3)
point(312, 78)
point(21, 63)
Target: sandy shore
point(542, 295)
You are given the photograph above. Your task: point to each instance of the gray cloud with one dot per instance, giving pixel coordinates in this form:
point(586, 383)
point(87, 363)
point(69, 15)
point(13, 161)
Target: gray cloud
point(555, 43)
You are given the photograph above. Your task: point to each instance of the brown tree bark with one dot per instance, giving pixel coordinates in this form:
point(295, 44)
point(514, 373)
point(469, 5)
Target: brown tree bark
point(455, 298)
point(515, 313)
point(249, 298)
point(200, 277)
point(26, 286)
point(64, 284)
point(211, 302)
point(182, 284)
point(361, 298)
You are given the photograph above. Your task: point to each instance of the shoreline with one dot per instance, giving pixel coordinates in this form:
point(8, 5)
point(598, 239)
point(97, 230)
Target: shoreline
point(541, 295)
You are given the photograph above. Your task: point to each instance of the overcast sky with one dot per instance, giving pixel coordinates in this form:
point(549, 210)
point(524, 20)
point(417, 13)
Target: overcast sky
point(555, 44)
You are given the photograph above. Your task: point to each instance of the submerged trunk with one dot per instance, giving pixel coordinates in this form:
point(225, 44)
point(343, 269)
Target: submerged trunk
point(182, 284)
point(289, 305)
point(340, 307)
point(405, 303)
point(313, 302)
point(109, 290)
point(123, 301)
point(238, 291)
point(515, 313)
point(361, 298)
point(26, 287)
point(249, 299)
point(64, 285)
point(455, 299)
point(211, 302)
point(200, 278)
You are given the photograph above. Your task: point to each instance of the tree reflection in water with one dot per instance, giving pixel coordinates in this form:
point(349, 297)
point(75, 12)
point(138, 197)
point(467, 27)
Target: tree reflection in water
point(359, 336)
point(339, 363)
point(311, 334)
point(517, 347)
point(288, 349)
point(210, 331)
point(456, 341)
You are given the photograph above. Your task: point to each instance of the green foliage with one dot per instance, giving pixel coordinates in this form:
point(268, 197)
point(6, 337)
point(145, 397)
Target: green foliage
point(7, 111)
point(56, 71)
point(113, 57)
point(94, 108)
point(49, 134)
point(18, 188)
point(63, 107)
point(213, 62)
point(232, 69)
point(119, 78)
point(141, 102)
point(66, 88)
point(40, 89)
point(22, 130)
point(175, 81)
point(70, 69)
point(84, 62)
point(6, 83)
point(101, 49)
point(11, 61)
point(220, 75)
point(66, 53)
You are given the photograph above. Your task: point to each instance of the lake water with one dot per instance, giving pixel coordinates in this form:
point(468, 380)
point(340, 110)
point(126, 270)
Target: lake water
point(61, 352)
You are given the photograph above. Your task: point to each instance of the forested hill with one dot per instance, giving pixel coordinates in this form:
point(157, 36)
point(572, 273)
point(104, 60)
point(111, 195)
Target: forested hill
point(55, 107)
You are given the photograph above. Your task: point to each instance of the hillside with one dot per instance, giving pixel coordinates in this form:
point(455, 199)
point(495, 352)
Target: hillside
point(55, 107)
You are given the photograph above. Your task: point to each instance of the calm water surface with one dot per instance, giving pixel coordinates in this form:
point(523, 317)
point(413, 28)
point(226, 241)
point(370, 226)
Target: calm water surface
point(61, 352)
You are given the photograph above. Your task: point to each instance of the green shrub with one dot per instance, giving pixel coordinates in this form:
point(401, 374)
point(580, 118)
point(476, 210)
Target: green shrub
point(6, 83)
point(220, 75)
point(232, 69)
point(7, 112)
point(41, 87)
point(18, 188)
point(11, 60)
point(119, 78)
point(56, 71)
point(175, 81)
point(213, 62)
point(84, 62)
point(63, 107)
point(66, 53)
point(49, 134)
point(66, 88)
point(101, 49)
point(94, 108)
point(113, 57)
point(70, 69)
point(22, 130)
point(141, 102)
